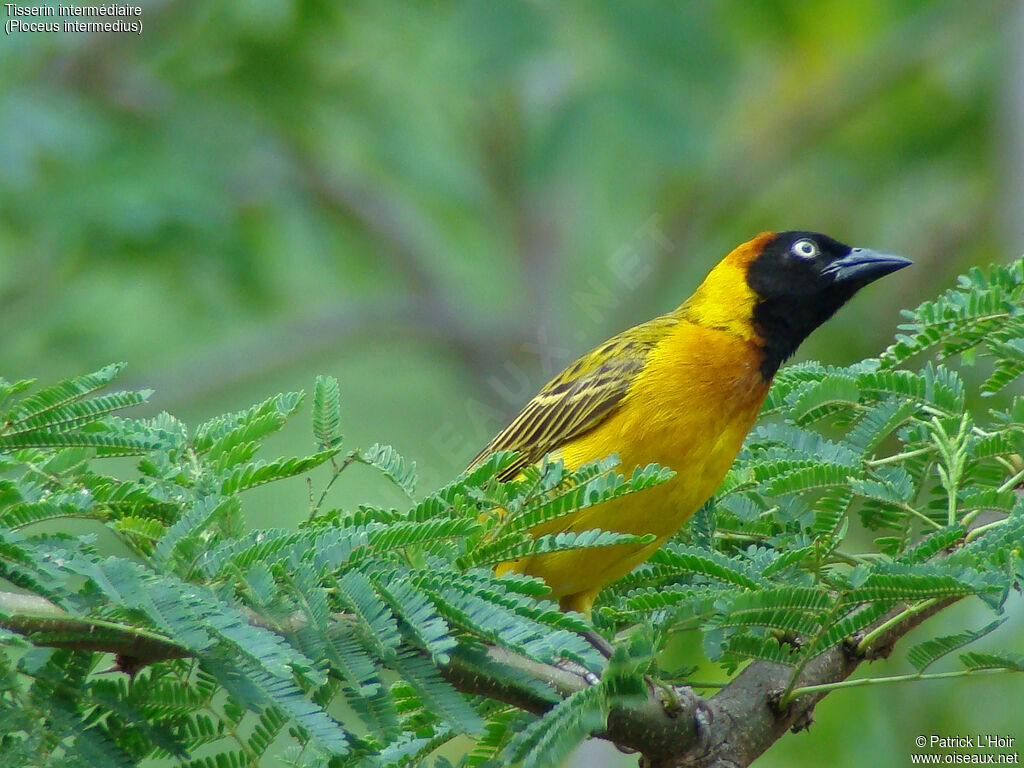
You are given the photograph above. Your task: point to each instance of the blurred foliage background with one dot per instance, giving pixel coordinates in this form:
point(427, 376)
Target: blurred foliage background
point(441, 203)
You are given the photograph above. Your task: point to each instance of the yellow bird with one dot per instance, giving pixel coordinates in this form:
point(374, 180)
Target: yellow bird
point(681, 390)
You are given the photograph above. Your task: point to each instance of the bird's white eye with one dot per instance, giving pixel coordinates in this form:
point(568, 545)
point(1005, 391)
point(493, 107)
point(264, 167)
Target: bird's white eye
point(805, 249)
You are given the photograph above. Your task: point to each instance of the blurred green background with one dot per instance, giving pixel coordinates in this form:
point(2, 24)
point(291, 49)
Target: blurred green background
point(442, 203)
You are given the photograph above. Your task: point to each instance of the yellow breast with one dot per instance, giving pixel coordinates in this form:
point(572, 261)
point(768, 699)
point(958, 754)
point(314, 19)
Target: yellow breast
point(689, 409)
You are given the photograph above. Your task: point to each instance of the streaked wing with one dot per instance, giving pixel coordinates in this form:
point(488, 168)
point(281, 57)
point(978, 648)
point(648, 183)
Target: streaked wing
point(579, 398)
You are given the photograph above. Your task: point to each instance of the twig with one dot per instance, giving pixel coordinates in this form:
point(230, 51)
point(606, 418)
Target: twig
point(862, 681)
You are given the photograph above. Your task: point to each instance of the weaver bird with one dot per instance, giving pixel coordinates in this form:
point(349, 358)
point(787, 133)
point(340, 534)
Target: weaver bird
point(681, 390)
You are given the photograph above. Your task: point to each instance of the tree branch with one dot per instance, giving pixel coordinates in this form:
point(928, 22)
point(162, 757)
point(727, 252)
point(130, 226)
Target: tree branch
point(748, 715)
point(728, 730)
point(50, 626)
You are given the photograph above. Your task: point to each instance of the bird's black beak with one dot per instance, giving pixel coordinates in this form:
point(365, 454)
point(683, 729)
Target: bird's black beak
point(863, 266)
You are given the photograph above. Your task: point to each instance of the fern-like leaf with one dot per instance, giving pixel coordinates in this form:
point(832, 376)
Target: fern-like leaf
point(548, 740)
point(259, 473)
point(393, 466)
point(327, 412)
point(923, 655)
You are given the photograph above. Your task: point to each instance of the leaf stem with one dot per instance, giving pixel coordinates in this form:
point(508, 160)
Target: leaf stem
point(825, 687)
point(897, 457)
point(1011, 483)
point(859, 558)
point(695, 684)
point(736, 536)
point(897, 619)
point(808, 654)
point(984, 529)
point(337, 473)
point(920, 515)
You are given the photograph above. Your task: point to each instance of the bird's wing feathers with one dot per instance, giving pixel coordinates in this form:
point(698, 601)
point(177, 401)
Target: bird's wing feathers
point(579, 398)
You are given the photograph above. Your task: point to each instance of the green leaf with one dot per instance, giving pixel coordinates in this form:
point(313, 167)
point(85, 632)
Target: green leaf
point(196, 518)
point(961, 319)
point(824, 397)
point(391, 464)
point(497, 732)
point(830, 511)
point(240, 444)
point(417, 617)
point(1012, 662)
point(710, 564)
point(279, 408)
point(811, 476)
point(795, 610)
point(803, 599)
point(934, 386)
point(346, 648)
point(516, 546)
point(549, 740)
point(584, 491)
point(9, 389)
point(259, 472)
point(327, 412)
point(76, 414)
point(879, 422)
point(624, 679)
point(108, 443)
point(762, 648)
point(1009, 365)
point(892, 587)
point(703, 525)
point(377, 624)
point(61, 393)
point(267, 727)
point(923, 655)
point(29, 513)
point(933, 544)
point(436, 694)
point(891, 485)
point(404, 534)
point(647, 600)
point(252, 683)
point(790, 381)
point(847, 626)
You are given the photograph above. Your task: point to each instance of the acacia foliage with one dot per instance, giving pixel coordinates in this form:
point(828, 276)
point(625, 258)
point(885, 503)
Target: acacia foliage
point(324, 644)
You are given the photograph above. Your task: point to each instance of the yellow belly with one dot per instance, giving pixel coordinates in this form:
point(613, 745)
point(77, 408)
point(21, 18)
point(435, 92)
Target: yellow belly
point(689, 409)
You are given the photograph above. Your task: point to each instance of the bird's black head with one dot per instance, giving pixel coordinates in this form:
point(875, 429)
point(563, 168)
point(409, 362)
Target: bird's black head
point(800, 279)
